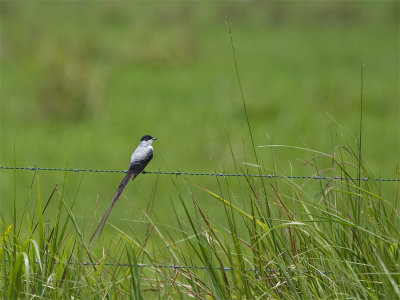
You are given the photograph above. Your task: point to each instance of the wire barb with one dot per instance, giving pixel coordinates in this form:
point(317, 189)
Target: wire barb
point(204, 174)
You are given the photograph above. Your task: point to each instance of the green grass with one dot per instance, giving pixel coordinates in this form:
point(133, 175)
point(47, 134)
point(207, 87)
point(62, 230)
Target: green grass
point(82, 83)
point(276, 240)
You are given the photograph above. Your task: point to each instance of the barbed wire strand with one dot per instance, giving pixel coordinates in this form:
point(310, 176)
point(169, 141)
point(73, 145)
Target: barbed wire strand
point(204, 174)
point(160, 266)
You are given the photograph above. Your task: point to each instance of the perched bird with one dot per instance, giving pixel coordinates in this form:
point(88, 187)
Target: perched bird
point(139, 160)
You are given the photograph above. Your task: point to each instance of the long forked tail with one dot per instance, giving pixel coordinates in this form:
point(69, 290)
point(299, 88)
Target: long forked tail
point(131, 173)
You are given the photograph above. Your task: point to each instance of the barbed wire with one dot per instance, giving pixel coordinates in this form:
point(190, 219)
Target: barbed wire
point(177, 267)
point(205, 174)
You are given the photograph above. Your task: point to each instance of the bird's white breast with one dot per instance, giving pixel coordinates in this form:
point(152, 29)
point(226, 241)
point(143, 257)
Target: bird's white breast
point(141, 153)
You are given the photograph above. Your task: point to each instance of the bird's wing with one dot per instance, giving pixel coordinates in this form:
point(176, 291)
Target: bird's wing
point(138, 166)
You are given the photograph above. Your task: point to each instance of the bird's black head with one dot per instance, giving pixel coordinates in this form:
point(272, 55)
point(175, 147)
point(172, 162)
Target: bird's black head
point(147, 138)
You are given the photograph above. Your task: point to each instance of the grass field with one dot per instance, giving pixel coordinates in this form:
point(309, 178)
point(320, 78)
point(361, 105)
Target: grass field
point(81, 82)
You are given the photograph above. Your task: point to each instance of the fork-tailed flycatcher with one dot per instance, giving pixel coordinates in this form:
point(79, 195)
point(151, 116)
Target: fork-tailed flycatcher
point(139, 160)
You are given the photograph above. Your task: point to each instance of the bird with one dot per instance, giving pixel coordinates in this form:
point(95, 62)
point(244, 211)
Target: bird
point(139, 160)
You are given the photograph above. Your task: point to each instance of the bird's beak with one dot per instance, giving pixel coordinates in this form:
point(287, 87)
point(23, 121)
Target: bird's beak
point(154, 139)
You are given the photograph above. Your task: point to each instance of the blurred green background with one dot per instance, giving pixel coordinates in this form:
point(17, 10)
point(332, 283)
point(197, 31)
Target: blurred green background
point(81, 82)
